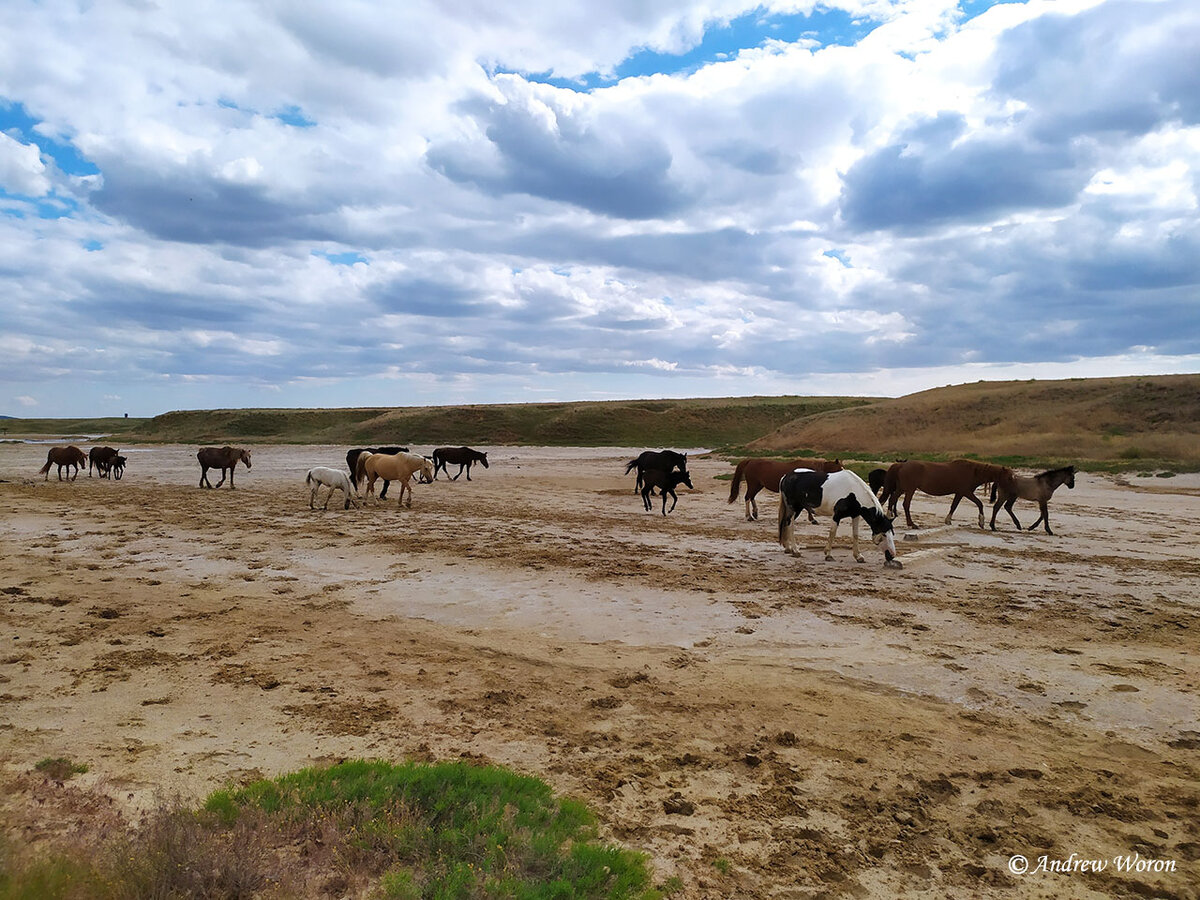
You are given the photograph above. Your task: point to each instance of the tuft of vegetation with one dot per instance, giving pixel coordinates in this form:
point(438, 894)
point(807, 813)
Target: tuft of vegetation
point(59, 768)
point(366, 828)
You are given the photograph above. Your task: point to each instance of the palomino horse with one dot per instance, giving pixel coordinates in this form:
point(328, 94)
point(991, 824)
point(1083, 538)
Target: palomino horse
point(666, 482)
point(335, 480)
point(762, 473)
point(459, 456)
point(71, 457)
point(842, 495)
point(224, 458)
point(102, 458)
point(662, 460)
point(352, 463)
point(393, 467)
point(959, 477)
point(1038, 488)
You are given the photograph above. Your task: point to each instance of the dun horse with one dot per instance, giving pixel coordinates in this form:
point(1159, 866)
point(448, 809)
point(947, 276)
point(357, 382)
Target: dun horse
point(352, 464)
point(842, 495)
point(1038, 488)
point(959, 477)
point(762, 473)
point(393, 467)
point(462, 457)
point(71, 457)
point(223, 458)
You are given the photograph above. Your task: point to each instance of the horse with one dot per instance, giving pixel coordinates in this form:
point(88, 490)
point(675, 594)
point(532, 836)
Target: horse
point(335, 480)
point(460, 456)
point(875, 480)
point(842, 495)
point(393, 467)
point(1038, 488)
point(762, 473)
point(101, 458)
point(223, 458)
point(117, 467)
point(352, 460)
point(69, 456)
point(959, 477)
point(662, 460)
point(666, 482)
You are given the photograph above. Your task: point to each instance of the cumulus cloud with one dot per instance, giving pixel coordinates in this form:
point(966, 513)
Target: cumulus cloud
point(348, 202)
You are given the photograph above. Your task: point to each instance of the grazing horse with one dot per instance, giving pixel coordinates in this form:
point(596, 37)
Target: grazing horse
point(352, 461)
point(959, 477)
point(71, 457)
point(224, 458)
point(335, 480)
point(460, 456)
point(393, 467)
point(762, 473)
point(842, 495)
point(1038, 488)
point(666, 482)
point(662, 460)
point(102, 458)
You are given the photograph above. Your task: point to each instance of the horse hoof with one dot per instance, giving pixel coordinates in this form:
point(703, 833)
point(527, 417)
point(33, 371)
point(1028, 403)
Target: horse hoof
point(828, 557)
point(893, 564)
point(860, 559)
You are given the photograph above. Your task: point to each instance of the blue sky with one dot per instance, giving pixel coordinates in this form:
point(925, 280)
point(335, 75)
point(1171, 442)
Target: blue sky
point(353, 203)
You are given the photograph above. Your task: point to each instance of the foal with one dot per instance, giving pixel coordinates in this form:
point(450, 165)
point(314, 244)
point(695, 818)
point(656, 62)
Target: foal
point(665, 482)
point(1039, 488)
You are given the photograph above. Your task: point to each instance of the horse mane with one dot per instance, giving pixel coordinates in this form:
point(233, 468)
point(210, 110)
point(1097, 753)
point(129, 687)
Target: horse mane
point(1051, 472)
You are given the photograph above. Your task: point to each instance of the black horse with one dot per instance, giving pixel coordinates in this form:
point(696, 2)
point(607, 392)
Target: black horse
point(463, 457)
point(660, 460)
point(666, 482)
point(352, 461)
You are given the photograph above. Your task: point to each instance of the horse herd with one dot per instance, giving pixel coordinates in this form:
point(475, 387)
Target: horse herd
point(814, 486)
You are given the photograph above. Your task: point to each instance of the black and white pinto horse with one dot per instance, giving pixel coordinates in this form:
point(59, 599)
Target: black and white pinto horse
point(842, 495)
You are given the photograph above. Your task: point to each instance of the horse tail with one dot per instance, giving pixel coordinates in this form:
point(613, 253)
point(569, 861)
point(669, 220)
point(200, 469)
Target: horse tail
point(46, 468)
point(629, 466)
point(360, 468)
point(736, 484)
point(786, 513)
point(308, 478)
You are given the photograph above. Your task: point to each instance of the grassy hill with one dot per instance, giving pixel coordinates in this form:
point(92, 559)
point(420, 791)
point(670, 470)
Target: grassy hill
point(662, 423)
point(1124, 419)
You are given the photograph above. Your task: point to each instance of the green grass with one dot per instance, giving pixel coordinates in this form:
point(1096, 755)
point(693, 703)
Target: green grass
point(413, 830)
point(59, 768)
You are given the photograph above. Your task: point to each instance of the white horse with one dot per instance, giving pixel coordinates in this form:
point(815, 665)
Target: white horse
point(335, 480)
point(842, 495)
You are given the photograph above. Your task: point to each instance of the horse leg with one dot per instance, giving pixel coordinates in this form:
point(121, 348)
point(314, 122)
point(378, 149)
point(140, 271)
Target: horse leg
point(954, 506)
point(674, 499)
point(203, 475)
point(1043, 518)
point(383, 493)
point(468, 470)
point(829, 541)
point(908, 502)
point(1009, 507)
point(858, 557)
point(406, 483)
point(646, 497)
point(751, 503)
point(978, 503)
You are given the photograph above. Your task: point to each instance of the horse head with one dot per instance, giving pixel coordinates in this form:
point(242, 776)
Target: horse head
point(483, 459)
point(246, 458)
point(427, 470)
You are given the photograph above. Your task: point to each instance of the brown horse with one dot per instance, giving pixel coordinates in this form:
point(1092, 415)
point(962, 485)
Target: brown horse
point(959, 477)
point(70, 456)
point(223, 458)
point(1038, 488)
point(762, 473)
point(393, 467)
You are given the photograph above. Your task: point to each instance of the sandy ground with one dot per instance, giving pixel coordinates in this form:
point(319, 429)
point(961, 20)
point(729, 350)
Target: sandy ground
point(762, 726)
